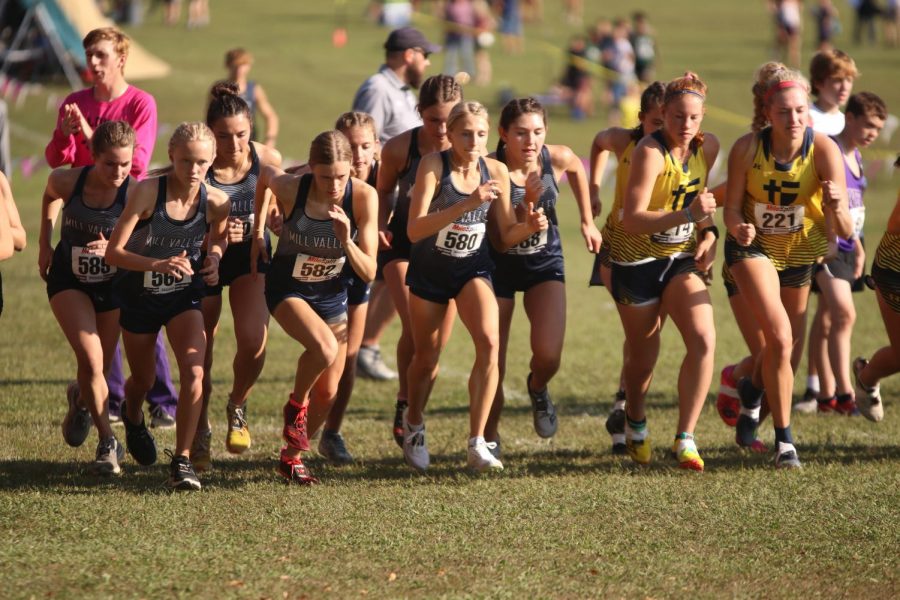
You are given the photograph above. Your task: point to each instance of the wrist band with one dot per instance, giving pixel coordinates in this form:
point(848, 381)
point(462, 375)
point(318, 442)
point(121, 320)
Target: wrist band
point(711, 229)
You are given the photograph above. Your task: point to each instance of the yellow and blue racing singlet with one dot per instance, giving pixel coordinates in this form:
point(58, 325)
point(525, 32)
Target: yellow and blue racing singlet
point(675, 188)
point(784, 202)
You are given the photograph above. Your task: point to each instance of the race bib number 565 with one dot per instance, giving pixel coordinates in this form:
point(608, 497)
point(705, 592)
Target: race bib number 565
point(459, 240)
point(164, 283)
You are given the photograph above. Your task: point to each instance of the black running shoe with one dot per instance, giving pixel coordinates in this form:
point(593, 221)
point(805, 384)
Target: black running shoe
point(77, 424)
point(181, 474)
point(139, 440)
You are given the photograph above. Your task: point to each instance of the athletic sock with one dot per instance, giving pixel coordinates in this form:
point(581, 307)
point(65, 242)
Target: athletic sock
point(619, 404)
point(473, 441)
point(636, 430)
point(784, 435)
point(812, 383)
point(620, 395)
point(825, 400)
point(751, 396)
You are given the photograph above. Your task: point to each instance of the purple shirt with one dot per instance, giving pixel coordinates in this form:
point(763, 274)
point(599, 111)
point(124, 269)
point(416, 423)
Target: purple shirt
point(856, 186)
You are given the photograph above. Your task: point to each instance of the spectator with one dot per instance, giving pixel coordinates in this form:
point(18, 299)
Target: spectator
point(788, 25)
point(511, 27)
point(387, 95)
point(239, 61)
point(459, 39)
point(576, 80)
point(892, 23)
point(644, 45)
point(827, 24)
point(621, 60)
point(485, 24)
point(866, 11)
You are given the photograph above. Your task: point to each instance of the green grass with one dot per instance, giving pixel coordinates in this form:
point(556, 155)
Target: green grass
point(565, 519)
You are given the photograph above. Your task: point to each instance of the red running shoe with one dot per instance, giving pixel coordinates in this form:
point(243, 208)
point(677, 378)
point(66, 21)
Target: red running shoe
point(728, 403)
point(294, 432)
point(294, 471)
point(827, 406)
point(846, 405)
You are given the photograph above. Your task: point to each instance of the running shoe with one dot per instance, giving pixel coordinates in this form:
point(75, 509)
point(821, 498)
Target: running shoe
point(370, 365)
point(495, 448)
point(200, 451)
point(807, 405)
point(728, 403)
point(139, 440)
point(415, 450)
point(77, 423)
point(685, 452)
point(237, 440)
point(615, 426)
point(868, 399)
point(846, 405)
point(109, 454)
point(543, 411)
point(334, 449)
point(826, 405)
point(294, 432)
point(638, 449)
point(398, 421)
point(786, 457)
point(480, 457)
point(181, 474)
point(294, 471)
point(161, 419)
point(748, 419)
point(115, 418)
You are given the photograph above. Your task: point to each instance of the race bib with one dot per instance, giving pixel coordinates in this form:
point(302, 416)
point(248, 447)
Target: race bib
point(858, 215)
point(247, 222)
point(676, 235)
point(313, 269)
point(531, 245)
point(90, 268)
point(778, 219)
point(164, 283)
point(460, 240)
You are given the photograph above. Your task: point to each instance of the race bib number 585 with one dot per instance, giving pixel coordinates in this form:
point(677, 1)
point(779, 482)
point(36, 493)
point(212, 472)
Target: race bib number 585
point(89, 267)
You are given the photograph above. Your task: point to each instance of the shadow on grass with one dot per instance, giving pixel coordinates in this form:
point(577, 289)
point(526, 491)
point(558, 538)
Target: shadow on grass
point(235, 474)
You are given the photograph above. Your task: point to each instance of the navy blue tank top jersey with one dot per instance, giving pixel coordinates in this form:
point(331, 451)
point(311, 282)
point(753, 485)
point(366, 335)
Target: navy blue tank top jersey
point(406, 181)
point(81, 225)
point(543, 249)
point(241, 194)
point(309, 256)
point(161, 236)
point(454, 250)
point(349, 274)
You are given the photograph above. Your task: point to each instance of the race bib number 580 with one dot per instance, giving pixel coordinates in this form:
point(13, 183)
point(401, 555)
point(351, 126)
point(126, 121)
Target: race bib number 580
point(459, 240)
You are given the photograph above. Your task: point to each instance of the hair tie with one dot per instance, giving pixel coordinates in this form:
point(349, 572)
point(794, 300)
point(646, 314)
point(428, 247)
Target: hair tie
point(781, 85)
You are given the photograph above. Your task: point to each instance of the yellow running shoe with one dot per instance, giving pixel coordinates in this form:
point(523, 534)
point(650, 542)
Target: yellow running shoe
point(685, 452)
point(237, 440)
point(638, 450)
point(200, 456)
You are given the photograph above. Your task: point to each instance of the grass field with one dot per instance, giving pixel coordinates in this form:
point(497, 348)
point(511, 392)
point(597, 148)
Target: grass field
point(565, 519)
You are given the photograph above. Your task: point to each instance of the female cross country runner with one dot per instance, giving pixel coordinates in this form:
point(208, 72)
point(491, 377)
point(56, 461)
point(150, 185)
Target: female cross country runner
point(400, 159)
point(453, 193)
point(784, 183)
point(886, 360)
point(535, 266)
point(169, 215)
point(80, 282)
point(665, 240)
point(621, 142)
point(360, 131)
point(234, 171)
point(329, 220)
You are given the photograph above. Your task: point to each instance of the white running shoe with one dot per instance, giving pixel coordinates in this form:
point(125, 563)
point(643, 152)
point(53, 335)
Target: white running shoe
point(370, 365)
point(481, 458)
point(415, 450)
point(868, 399)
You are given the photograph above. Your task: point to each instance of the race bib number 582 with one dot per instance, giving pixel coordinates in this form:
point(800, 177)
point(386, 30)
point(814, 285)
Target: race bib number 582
point(312, 269)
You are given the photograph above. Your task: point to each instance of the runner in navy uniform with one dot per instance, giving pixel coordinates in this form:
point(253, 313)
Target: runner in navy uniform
point(397, 173)
point(79, 281)
point(234, 171)
point(330, 220)
point(535, 266)
point(170, 215)
point(448, 217)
